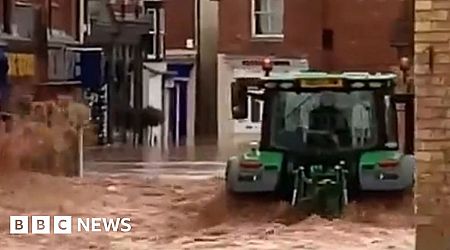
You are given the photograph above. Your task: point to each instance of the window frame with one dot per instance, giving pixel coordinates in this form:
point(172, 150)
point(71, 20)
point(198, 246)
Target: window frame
point(254, 13)
point(246, 125)
point(274, 123)
point(153, 32)
point(162, 32)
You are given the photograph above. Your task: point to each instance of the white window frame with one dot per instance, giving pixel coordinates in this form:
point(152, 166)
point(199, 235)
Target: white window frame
point(153, 32)
point(253, 23)
point(246, 126)
point(162, 31)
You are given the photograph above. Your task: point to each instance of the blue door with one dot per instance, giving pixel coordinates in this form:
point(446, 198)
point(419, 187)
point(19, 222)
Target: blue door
point(178, 113)
point(178, 104)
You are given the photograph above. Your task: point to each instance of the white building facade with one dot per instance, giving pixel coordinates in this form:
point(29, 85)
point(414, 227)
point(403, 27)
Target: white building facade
point(231, 67)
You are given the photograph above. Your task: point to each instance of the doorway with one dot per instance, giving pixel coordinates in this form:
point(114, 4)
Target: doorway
point(178, 113)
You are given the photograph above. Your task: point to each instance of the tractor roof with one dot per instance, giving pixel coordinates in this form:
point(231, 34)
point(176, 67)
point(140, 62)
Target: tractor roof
point(316, 81)
point(361, 76)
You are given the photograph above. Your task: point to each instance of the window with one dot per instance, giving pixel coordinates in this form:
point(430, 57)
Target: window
point(155, 38)
point(328, 120)
point(151, 47)
point(256, 110)
point(251, 124)
point(267, 18)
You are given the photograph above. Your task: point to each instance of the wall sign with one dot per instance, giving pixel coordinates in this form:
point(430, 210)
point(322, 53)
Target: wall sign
point(21, 65)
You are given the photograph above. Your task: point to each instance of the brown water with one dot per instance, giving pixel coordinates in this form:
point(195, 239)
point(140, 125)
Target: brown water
point(186, 214)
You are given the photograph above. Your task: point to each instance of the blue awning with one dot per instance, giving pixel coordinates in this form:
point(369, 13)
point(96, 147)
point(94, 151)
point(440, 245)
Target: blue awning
point(182, 70)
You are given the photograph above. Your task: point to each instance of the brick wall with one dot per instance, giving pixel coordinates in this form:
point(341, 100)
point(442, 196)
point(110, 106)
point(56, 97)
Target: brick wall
point(64, 13)
point(433, 126)
point(64, 16)
point(179, 20)
point(180, 23)
point(362, 32)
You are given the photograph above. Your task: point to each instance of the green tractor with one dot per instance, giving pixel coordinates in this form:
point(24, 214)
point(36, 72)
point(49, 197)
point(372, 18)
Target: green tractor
point(324, 137)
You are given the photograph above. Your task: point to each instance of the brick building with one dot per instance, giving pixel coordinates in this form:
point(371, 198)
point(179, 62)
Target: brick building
point(181, 57)
point(187, 53)
point(432, 35)
point(36, 34)
point(320, 35)
point(130, 34)
point(191, 52)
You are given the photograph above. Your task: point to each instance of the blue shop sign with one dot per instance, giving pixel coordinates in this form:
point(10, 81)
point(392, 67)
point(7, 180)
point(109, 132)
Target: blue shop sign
point(89, 67)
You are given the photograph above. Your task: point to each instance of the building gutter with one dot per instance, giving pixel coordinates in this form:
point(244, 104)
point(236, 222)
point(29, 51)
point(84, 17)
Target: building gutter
point(181, 56)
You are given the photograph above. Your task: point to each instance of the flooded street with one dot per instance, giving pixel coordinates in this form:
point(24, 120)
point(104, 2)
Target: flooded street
point(181, 204)
point(200, 162)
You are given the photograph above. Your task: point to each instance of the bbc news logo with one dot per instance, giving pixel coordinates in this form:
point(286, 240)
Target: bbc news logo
point(63, 225)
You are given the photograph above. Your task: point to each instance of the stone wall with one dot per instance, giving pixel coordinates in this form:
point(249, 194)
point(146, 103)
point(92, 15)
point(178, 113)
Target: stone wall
point(432, 86)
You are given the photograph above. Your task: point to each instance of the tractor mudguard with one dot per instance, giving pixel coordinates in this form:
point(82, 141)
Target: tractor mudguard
point(408, 166)
point(373, 177)
point(253, 172)
point(231, 173)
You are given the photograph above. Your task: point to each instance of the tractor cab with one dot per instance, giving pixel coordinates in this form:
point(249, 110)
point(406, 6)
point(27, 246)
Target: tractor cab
point(327, 112)
point(325, 131)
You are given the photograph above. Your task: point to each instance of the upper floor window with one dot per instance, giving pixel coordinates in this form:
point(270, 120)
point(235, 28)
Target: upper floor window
point(267, 18)
point(154, 40)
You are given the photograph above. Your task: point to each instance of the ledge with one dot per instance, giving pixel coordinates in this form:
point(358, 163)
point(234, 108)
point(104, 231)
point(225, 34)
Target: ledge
point(180, 54)
point(60, 83)
point(267, 38)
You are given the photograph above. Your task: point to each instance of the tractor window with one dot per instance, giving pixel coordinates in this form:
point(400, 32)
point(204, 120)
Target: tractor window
point(323, 120)
point(391, 121)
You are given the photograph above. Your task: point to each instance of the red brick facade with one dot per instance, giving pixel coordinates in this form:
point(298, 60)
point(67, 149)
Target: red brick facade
point(27, 65)
point(180, 22)
point(362, 32)
point(64, 13)
point(64, 16)
point(1, 13)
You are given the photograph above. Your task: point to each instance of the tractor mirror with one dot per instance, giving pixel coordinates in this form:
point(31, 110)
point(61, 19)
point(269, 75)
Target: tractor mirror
point(239, 104)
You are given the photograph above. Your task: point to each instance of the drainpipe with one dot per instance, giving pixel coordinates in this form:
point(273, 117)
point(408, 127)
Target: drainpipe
point(7, 13)
point(197, 46)
point(40, 41)
point(110, 89)
point(138, 90)
point(411, 40)
point(49, 17)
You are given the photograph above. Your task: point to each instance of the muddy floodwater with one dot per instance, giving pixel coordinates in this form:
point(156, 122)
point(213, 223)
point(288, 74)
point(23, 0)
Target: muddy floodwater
point(186, 213)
